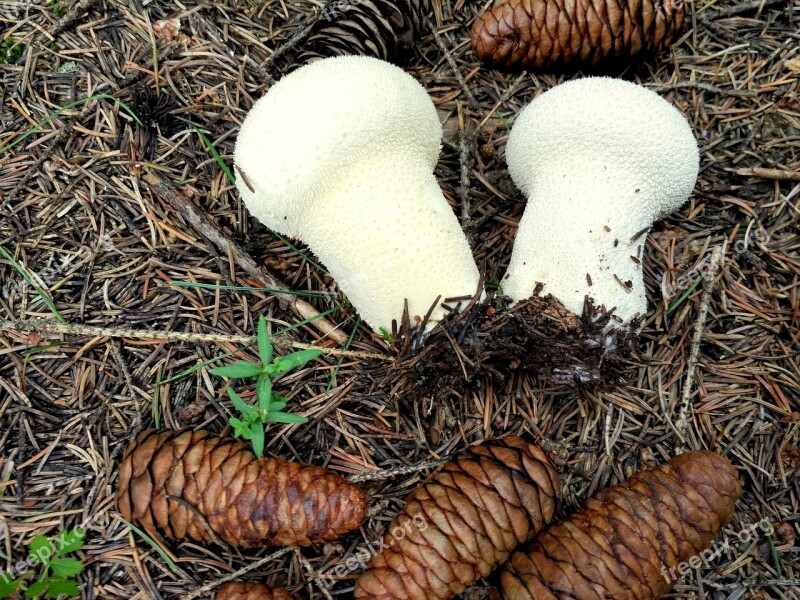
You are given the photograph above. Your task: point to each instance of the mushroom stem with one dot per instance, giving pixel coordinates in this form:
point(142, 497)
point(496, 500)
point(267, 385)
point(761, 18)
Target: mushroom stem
point(599, 258)
point(600, 160)
point(380, 259)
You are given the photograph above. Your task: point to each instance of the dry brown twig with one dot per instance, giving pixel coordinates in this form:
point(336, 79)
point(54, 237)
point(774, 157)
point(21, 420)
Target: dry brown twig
point(473, 103)
point(312, 573)
point(236, 575)
point(466, 139)
point(696, 85)
point(386, 473)
point(197, 218)
point(75, 13)
point(738, 9)
point(48, 326)
point(694, 353)
point(765, 173)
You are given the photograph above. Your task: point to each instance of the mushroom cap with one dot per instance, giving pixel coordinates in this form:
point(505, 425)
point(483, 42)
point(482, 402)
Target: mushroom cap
point(600, 127)
point(319, 121)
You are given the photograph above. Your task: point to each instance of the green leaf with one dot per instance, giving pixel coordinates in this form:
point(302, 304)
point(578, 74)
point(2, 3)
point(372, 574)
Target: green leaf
point(273, 368)
point(386, 335)
point(68, 541)
point(241, 369)
point(248, 412)
point(278, 403)
point(216, 155)
point(295, 359)
point(37, 589)
point(685, 295)
point(66, 567)
point(40, 548)
point(7, 588)
point(68, 588)
point(238, 426)
point(257, 438)
point(264, 345)
point(240, 429)
point(282, 417)
point(264, 394)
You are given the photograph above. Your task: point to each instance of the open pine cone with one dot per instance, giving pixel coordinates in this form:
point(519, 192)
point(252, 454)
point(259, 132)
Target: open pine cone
point(385, 29)
point(193, 484)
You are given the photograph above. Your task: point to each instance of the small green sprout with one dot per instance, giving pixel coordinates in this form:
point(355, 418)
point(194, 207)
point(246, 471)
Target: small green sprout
point(58, 9)
point(58, 570)
point(386, 335)
point(269, 404)
point(10, 51)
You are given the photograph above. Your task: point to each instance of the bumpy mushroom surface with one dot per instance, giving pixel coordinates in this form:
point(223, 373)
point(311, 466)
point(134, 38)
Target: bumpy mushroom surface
point(600, 160)
point(340, 154)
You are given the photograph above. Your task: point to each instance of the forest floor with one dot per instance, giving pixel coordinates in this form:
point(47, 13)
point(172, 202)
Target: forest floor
point(84, 227)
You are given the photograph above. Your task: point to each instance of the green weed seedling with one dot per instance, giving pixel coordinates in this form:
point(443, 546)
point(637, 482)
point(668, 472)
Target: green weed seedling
point(56, 569)
point(10, 51)
point(386, 335)
point(269, 405)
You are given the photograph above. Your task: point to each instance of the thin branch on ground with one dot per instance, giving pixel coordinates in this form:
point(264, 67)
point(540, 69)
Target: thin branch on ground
point(696, 85)
point(75, 13)
point(200, 221)
point(313, 574)
point(48, 326)
point(685, 408)
point(298, 37)
point(765, 173)
point(387, 473)
point(465, 142)
point(504, 98)
point(473, 103)
point(737, 10)
point(231, 576)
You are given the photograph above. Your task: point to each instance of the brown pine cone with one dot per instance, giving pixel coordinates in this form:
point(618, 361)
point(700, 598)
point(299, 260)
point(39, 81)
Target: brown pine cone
point(623, 542)
point(248, 590)
point(385, 29)
point(463, 522)
point(558, 34)
point(179, 482)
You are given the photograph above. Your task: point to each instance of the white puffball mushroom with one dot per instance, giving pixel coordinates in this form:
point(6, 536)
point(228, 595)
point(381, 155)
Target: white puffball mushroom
point(340, 154)
point(600, 160)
